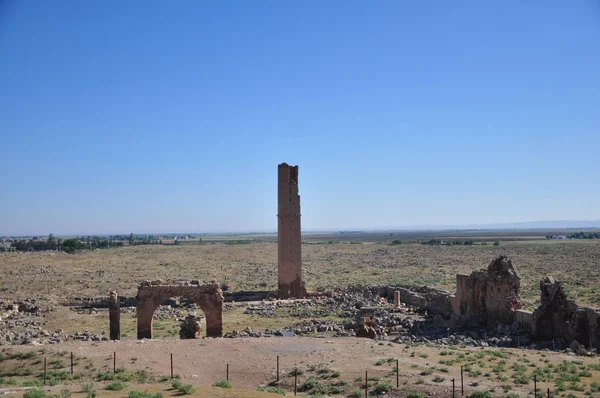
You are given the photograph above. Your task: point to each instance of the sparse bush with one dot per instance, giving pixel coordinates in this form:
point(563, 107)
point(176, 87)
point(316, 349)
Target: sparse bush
point(356, 393)
point(116, 386)
point(309, 384)
point(35, 393)
point(187, 389)
point(176, 384)
point(416, 394)
point(143, 394)
point(87, 387)
point(481, 394)
point(382, 388)
point(438, 379)
point(222, 383)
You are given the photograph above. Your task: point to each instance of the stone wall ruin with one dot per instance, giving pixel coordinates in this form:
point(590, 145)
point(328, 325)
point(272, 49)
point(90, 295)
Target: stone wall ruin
point(491, 295)
point(208, 296)
point(560, 318)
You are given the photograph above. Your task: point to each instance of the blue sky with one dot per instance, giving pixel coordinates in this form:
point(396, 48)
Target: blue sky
point(152, 116)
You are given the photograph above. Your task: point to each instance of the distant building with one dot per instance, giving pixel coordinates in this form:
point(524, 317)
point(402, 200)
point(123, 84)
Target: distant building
point(561, 237)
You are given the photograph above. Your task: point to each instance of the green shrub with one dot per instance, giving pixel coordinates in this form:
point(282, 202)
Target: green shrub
point(22, 355)
point(187, 389)
point(297, 372)
point(416, 394)
point(143, 394)
point(438, 379)
point(276, 390)
point(356, 393)
point(105, 376)
point(87, 387)
point(35, 393)
point(176, 384)
point(222, 383)
point(116, 386)
point(481, 394)
point(382, 388)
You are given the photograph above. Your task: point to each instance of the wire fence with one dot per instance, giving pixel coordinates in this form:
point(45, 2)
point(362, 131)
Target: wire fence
point(296, 378)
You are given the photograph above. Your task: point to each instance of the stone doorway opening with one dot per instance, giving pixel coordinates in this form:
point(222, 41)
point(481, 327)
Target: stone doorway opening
point(207, 296)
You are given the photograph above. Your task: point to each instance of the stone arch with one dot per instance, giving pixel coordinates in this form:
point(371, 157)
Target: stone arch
point(208, 296)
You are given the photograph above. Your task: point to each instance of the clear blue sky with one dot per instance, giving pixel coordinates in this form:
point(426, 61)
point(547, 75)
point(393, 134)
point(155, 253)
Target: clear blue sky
point(154, 116)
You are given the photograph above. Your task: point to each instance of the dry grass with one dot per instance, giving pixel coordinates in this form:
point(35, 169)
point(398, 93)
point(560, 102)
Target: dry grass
point(253, 266)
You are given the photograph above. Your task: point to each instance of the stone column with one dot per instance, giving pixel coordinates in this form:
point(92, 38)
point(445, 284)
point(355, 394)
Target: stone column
point(289, 237)
point(397, 302)
point(145, 311)
point(114, 316)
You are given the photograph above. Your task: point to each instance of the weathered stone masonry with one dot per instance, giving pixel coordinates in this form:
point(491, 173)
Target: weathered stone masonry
point(114, 316)
point(491, 294)
point(289, 236)
point(208, 296)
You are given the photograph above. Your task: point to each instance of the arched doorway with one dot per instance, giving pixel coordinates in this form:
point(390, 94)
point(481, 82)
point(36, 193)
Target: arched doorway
point(207, 296)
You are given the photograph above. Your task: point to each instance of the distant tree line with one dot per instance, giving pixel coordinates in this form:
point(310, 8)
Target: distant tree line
point(67, 245)
point(584, 235)
point(437, 242)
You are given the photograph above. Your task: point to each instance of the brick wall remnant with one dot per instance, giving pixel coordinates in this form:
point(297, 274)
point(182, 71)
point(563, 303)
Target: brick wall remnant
point(289, 237)
point(489, 295)
point(114, 316)
point(208, 296)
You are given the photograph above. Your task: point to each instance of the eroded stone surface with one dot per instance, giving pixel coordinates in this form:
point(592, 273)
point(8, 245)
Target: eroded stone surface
point(491, 295)
point(289, 237)
point(208, 296)
point(560, 318)
point(190, 327)
point(114, 316)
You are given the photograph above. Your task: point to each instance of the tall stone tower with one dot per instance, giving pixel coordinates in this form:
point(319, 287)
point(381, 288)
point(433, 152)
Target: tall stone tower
point(289, 238)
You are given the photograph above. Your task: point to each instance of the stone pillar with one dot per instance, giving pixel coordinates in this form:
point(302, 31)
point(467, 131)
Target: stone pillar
point(289, 237)
point(114, 316)
point(145, 311)
point(397, 302)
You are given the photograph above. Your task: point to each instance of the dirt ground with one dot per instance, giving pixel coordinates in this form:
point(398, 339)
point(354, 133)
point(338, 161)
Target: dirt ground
point(253, 363)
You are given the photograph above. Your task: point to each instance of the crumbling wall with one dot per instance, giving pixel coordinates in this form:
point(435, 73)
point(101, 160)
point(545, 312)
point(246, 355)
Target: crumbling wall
point(502, 291)
point(289, 237)
point(490, 295)
point(525, 318)
point(560, 318)
point(208, 296)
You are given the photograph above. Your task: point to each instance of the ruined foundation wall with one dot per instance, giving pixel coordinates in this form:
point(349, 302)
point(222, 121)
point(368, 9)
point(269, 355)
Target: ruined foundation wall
point(289, 237)
point(433, 300)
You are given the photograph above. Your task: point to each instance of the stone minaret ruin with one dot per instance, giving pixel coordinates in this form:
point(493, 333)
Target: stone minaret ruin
point(289, 238)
